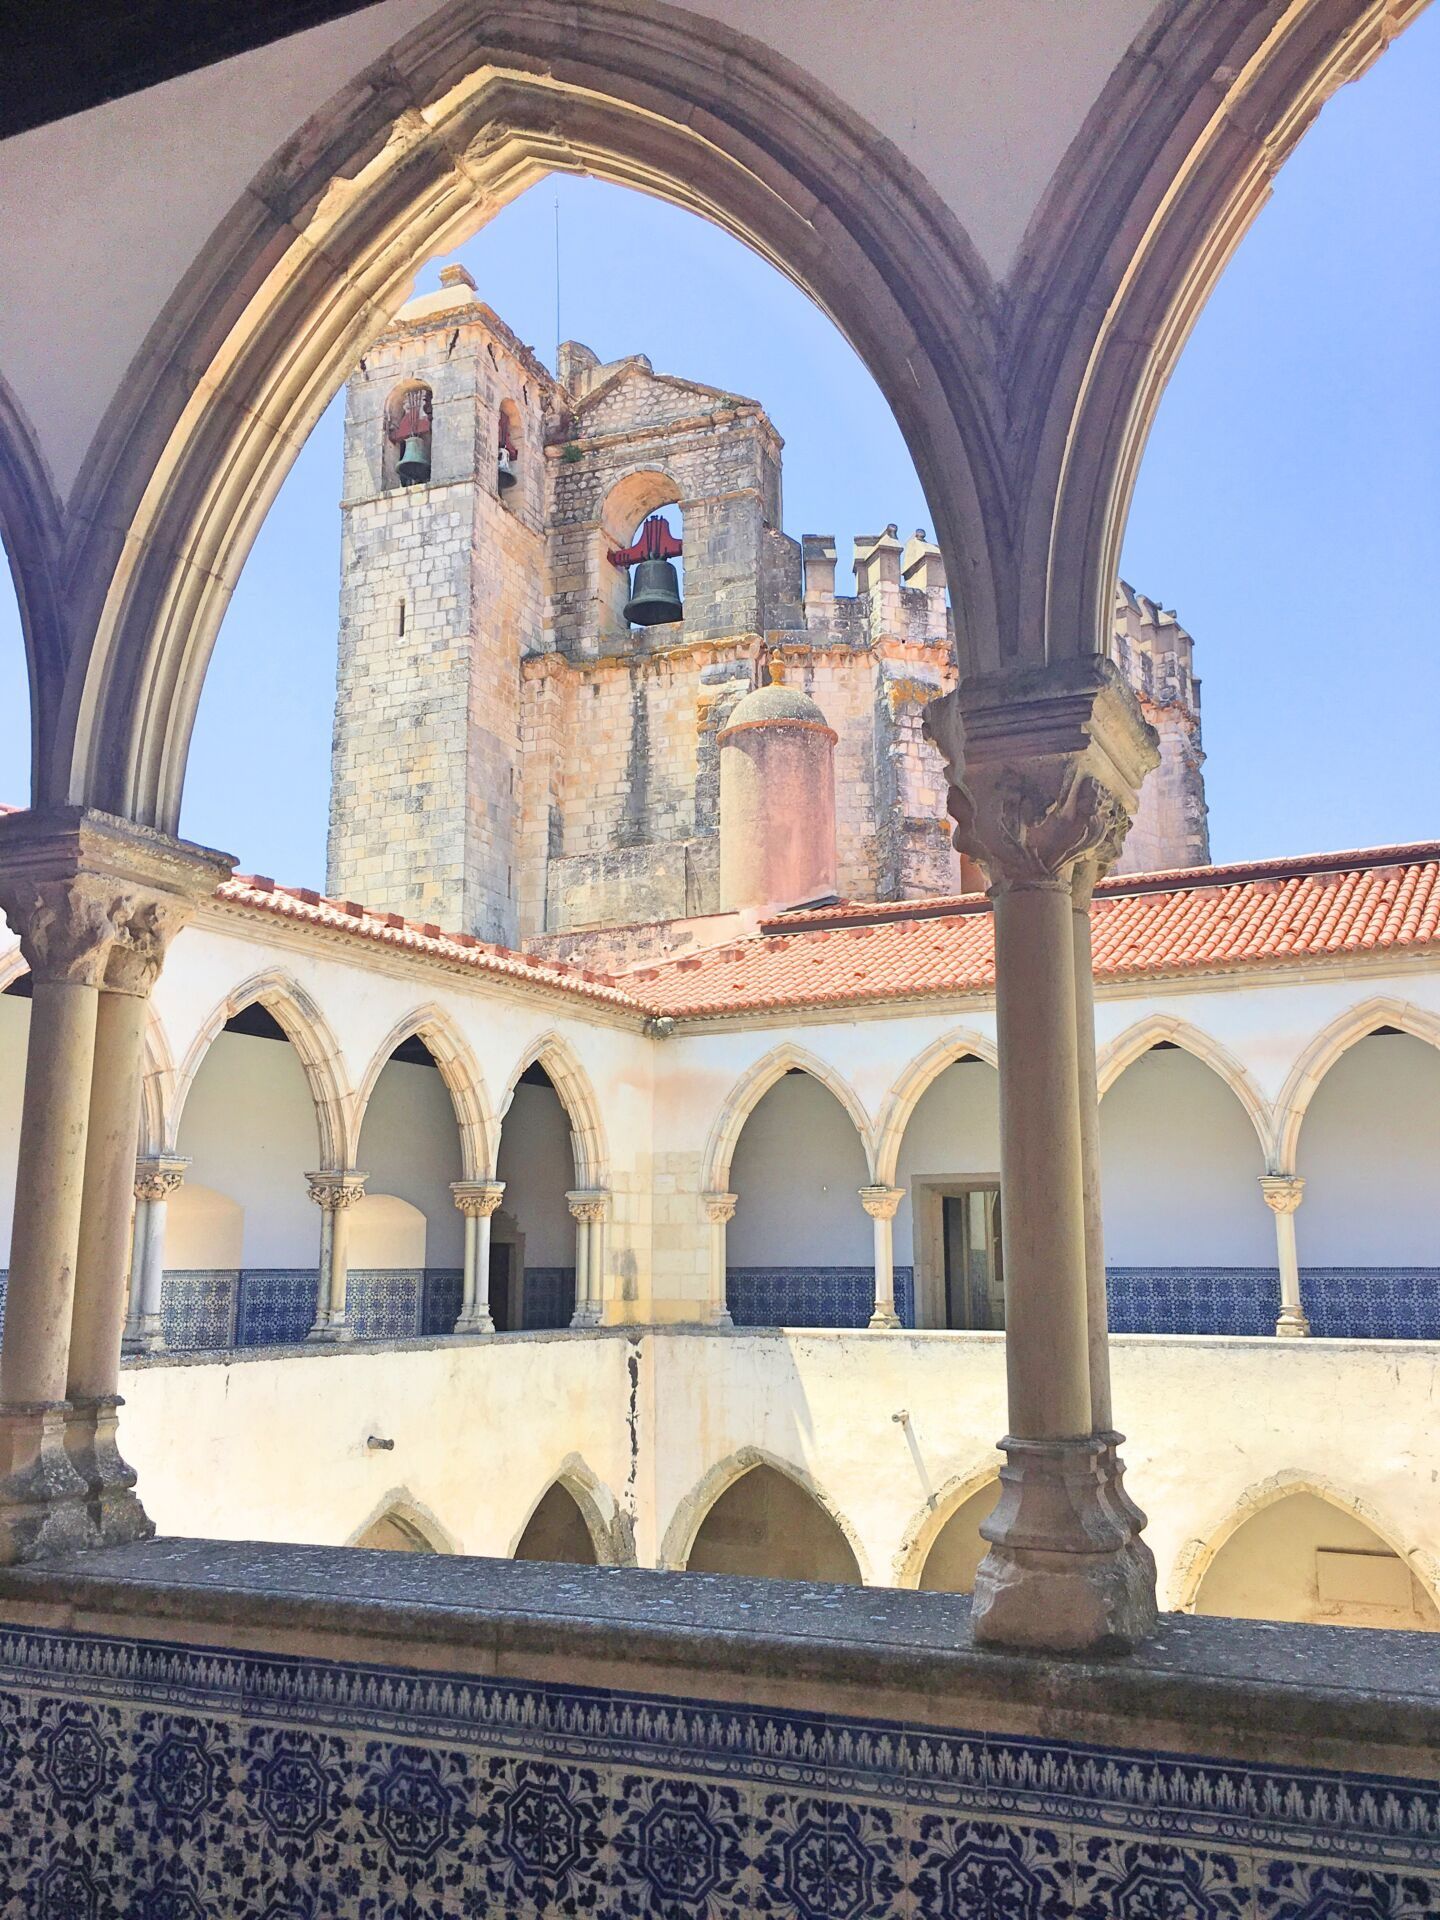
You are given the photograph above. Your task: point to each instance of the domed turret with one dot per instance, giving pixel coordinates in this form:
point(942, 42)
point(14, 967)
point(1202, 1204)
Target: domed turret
point(777, 800)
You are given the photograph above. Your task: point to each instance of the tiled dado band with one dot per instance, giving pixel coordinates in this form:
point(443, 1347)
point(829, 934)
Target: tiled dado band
point(150, 1779)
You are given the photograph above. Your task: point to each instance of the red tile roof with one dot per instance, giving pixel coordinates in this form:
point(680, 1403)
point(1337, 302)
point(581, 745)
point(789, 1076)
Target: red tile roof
point(1208, 919)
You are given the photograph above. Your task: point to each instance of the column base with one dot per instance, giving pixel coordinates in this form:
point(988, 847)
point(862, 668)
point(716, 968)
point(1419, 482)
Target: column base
point(331, 1330)
point(719, 1317)
point(42, 1497)
point(1293, 1324)
point(586, 1316)
point(92, 1439)
point(147, 1337)
point(884, 1320)
point(1112, 1473)
point(477, 1322)
point(1062, 1574)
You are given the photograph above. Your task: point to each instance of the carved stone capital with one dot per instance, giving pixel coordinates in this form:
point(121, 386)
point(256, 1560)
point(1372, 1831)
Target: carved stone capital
point(334, 1192)
point(719, 1207)
point(1282, 1192)
point(881, 1203)
point(95, 899)
point(1045, 767)
point(159, 1175)
point(589, 1205)
point(477, 1199)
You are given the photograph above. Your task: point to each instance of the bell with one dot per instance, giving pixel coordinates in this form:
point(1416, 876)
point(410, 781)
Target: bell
point(655, 599)
point(505, 474)
point(414, 467)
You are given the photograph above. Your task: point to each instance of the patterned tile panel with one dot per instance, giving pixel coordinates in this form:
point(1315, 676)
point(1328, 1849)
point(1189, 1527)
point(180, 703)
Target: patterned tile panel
point(277, 1306)
point(549, 1297)
point(385, 1303)
point(444, 1292)
point(197, 1308)
point(173, 1783)
point(812, 1296)
point(1350, 1303)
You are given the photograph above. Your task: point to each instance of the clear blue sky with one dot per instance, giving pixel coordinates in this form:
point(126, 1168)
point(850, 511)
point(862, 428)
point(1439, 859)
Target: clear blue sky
point(1288, 508)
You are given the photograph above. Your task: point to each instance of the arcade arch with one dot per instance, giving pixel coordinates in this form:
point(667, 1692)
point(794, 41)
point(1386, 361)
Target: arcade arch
point(557, 1530)
point(765, 1522)
point(956, 1545)
point(551, 1161)
point(399, 1524)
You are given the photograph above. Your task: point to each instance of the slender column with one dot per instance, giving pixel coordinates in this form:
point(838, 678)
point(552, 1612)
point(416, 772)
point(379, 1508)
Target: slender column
point(156, 1179)
point(882, 1203)
point(1045, 767)
point(589, 1208)
point(719, 1211)
point(1283, 1193)
point(477, 1200)
point(95, 900)
point(335, 1193)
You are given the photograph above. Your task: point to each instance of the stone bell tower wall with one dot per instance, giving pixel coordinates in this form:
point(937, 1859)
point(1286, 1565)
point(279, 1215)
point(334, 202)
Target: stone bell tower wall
point(442, 591)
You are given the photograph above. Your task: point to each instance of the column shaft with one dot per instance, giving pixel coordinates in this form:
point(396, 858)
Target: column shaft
point(109, 1195)
point(152, 1318)
point(471, 1290)
point(1097, 1305)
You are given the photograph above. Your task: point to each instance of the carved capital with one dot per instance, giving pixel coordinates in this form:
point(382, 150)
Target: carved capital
point(589, 1205)
point(477, 1199)
point(881, 1203)
point(159, 1175)
point(334, 1192)
point(96, 899)
point(1045, 767)
point(1282, 1192)
point(719, 1207)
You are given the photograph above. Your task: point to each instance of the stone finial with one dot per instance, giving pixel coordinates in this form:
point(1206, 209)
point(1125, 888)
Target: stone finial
point(456, 275)
point(1282, 1192)
point(477, 1199)
point(336, 1192)
point(881, 1203)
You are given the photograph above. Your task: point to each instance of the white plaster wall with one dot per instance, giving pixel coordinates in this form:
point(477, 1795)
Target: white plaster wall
point(203, 1229)
point(954, 1132)
point(1370, 1155)
point(387, 1232)
point(249, 1129)
point(798, 1169)
point(14, 1037)
point(410, 1147)
point(1180, 1164)
point(538, 1168)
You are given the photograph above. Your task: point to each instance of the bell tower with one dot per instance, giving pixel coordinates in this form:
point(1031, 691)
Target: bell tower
point(442, 595)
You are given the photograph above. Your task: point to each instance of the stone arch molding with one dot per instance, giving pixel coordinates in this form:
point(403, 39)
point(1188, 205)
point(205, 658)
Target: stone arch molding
point(751, 1088)
point(460, 1071)
point(1304, 1078)
point(401, 1505)
point(1200, 1553)
point(1026, 410)
point(309, 1033)
point(690, 1515)
point(926, 1526)
point(572, 1083)
point(1136, 1042)
point(611, 1528)
point(910, 1089)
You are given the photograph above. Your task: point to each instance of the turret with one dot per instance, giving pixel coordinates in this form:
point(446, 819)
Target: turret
point(777, 801)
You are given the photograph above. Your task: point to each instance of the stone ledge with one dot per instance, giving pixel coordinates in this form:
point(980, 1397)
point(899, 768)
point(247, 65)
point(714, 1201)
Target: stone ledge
point(1361, 1699)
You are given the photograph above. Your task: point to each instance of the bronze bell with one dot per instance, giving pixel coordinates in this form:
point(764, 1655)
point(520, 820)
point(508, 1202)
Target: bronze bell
point(414, 467)
point(655, 598)
point(505, 474)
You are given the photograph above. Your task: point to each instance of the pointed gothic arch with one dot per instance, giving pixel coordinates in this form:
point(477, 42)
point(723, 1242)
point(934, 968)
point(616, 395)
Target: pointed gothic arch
point(750, 1089)
point(694, 1509)
point(1199, 1554)
point(308, 1032)
point(1137, 1041)
point(611, 1530)
point(926, 1526)
point(407, 1515)
point(1303, 1080)
point(460, 1071)
point(572, 1084)
point(910, 1088)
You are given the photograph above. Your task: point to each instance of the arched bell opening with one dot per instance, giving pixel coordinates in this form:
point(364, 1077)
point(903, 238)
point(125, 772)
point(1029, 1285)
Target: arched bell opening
point(409, 421)
point(640, 557)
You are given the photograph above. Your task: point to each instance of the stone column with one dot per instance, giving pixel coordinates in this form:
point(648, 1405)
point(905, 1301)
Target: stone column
point(1283, 1193)
point(156, 1179)
point(719, 1211)
point(95, 900)
point(335, 1194)
point(1045, 766)
point(589, 1208)
point(881, 1203)
point(477, 1200)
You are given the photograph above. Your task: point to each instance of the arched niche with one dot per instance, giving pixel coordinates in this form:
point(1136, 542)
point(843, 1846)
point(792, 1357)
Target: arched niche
point(765, 1524)
point(957, 1549)
point(557, 1530)
point(948, 1228)
point(800, 1249)
point(1301, 1557)
point(393, 1532)
point(1189, 1243)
